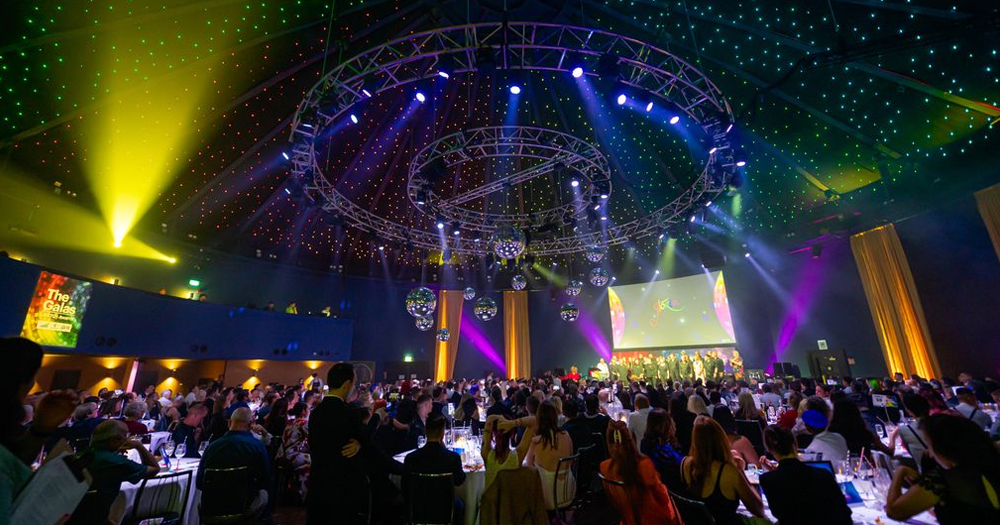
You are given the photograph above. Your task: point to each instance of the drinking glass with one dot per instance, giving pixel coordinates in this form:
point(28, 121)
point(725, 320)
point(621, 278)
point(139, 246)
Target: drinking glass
point(854, 464)
point(181, 449)
point(421, 441)
point(202, 448)
point(169, 447)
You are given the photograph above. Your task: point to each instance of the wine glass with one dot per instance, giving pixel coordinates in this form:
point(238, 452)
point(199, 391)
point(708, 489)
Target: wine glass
point(202, 448)
point(181, 449)
point(421, 441)
point(169, 447)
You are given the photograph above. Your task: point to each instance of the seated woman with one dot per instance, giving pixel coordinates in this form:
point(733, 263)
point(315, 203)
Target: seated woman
point(966, 487)
point(911, 435)
point(643, 499)
point(496, 451)
point(711, 475)
point(740, 446)
point(847, 422)
point(660, 445)
point(795, 490)
point(133, 413)
point(548, 445)
point(295, 445)
point(748, 410)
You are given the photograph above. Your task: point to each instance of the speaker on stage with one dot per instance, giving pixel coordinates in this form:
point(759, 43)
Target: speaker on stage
point(711, 258)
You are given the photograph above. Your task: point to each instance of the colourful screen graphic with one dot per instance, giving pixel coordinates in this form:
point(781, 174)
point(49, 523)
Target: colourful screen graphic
point(56, 311)
point(686, 312)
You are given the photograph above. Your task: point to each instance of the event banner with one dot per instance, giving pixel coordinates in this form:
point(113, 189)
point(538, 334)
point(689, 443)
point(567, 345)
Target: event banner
point(56, 311)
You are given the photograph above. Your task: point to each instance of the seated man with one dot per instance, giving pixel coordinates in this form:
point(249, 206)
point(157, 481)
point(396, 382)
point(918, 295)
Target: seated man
point(189, 430)
point(968, 406)
point(797, 493)
point(825, 445)
point(434, 458)
point(239, 448)
point(109, 469)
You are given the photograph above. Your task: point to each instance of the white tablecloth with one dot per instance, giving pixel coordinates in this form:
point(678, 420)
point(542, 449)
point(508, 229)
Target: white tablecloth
point(469, 492)
point(190, 494)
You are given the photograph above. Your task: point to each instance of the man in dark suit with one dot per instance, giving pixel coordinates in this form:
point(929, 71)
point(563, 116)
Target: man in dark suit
point(578, 429)
point(338, 483)
point(434, 458)
point(797, 493)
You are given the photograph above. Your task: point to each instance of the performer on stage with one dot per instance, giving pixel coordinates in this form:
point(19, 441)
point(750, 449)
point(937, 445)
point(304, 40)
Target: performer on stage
point(649, 368)
point(737, 363)
point(698, 365)
point(662, 369)
point(602, 370)
point(719, 366)
point(672, 367)
point(684, 368)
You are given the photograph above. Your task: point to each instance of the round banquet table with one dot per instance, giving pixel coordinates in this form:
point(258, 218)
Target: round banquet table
point(191, 495)
point(469, 492)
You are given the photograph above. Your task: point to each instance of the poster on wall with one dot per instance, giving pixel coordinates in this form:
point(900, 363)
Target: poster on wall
point(56, 312)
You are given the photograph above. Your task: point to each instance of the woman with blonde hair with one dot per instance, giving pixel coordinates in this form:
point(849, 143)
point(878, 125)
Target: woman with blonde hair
point(642, 498)
point(748, 409)
point(696, 405)
point(712, 477)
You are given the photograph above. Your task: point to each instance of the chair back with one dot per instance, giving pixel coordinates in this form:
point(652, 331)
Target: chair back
point(80, 444)
point(430, 498)
point(89, 510)
point(564, 482)
point(225, 495)
point(691, 511)
point(587, 481)
point(751, 429)
point(602, 445)
point(628, 508)
point(164, 497)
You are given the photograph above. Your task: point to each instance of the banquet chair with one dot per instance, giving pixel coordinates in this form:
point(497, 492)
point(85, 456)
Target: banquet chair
point(430, 499)
point(564, 492)
point(618, 496)
point(691, 511)
point(225, 496)
point(752, 430)
point(602, 445)
point(88, 510)
point(587, 483)
point(162, 498)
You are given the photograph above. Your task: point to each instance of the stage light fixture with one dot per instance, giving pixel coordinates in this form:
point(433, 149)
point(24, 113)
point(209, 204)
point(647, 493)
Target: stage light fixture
point(445, 66)
point(649, 107)
point(367, 93)
point(284, 154)
point(577, 72)
point(440, 223)
point(421, 197)
point(741, 163)
point(420, 97)
point(515, 89)
point(691, 220)
point(456, 228)
point(708, 204)
point(713, 150)
point(675, 119)
point(354, 118)
point(621, 99)
point(747, 255)
point(574, 183)
point(729, 128)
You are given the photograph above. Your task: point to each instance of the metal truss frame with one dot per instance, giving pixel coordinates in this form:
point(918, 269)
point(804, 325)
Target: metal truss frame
point(530, 46)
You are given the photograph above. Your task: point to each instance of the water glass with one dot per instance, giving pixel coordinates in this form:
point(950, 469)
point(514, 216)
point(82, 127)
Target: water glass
point(202, 448)
point(169, 447)
point(181, 449)
point(421, 441)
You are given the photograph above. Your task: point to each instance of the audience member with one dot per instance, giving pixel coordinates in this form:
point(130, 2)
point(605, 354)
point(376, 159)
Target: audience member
point(968, 406)
point(659, 444)
point(966, 486)
point(133, 413)
point(637, 419)
point(711, 475)
point(239, 448)
point(295, 446)
point(190, 430)
point(644, 498)
point(740, 446)
point(847, 422)
point(548, 445)
point(434, 458)
point(798, 494)
point(496, 452)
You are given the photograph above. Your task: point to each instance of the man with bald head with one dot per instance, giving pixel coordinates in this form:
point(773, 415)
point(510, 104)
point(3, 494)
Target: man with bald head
point(239, 448)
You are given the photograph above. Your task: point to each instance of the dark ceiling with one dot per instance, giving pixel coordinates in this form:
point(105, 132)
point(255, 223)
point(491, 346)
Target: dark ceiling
point(851, 112)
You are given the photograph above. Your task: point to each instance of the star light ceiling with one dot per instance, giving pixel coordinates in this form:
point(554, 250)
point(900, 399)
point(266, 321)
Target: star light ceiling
point(902, 128)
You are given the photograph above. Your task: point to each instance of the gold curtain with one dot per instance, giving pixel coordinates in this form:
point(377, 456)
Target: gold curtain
point(450, 317)
point(988, 201)
point(517, 343)
point(895, 306)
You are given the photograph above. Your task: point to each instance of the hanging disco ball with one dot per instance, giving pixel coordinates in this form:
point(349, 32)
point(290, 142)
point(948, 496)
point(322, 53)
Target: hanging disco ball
point(574, 287)
point(486, 309)
point(443, 335)
point(424, 323)
point(469, 294)
point(595, 253)
point(421, 302)
point(508, 242)
point(519, 282)
point(569, 312)
point(599, 276)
